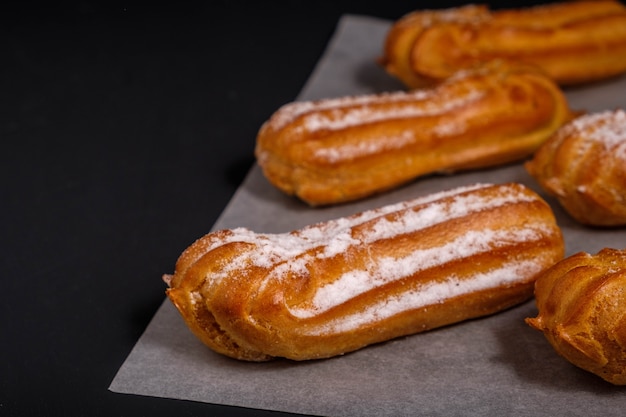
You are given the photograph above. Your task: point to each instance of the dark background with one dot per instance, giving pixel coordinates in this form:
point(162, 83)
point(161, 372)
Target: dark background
point(125, 130)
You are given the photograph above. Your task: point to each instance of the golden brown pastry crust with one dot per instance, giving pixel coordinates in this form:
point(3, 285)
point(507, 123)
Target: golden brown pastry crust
point(336, 150)
point(573, 42)
point(404, 33)
point(584, 166)
point(337, 286)
point(582, 311)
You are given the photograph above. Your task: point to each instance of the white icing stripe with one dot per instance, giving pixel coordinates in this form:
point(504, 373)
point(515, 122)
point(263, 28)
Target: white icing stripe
point(291, 111)
point(358, 115)
point(284, 252)
point(335, 153)
point(430, 294)
point(315, 232)
point(315, 235)
point(389, 269)
point(439, 212)
point(608, 128)
point(342, 112)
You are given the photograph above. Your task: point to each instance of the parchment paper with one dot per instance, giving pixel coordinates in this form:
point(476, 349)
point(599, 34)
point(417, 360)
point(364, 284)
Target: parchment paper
point(491, 366)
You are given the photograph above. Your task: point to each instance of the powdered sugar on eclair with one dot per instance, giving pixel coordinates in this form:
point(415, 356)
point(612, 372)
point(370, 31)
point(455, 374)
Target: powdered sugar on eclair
point(343, 118)
point(291, 254)
point(337, 286)
point(334, 236)
point(389, 269)
point(607, 128)
point(334, 154)
point(292, 111)
point(343, 112)
point(429, 294)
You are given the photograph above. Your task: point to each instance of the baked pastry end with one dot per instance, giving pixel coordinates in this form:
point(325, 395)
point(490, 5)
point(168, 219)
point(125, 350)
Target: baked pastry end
point(582, 311)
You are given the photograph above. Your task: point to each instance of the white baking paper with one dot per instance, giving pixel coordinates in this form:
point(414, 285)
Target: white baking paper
point(491, 366)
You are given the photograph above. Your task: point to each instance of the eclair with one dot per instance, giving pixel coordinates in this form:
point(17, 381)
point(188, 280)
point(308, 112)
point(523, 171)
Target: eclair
point(341, 149)
point(584, 166)
point(581, 303)
point(334, 287)
point(573, 42)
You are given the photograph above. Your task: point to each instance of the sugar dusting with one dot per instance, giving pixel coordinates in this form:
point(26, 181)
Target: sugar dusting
point(430, 294)
point(607, 128)
point(389, 269)
point(288, 250)
point(333, 237)
point(339, 152)
point(353, 115)
point(438, 212)
point(317, 120)
point(344, 112)
point(291, 254)
point(291, 111)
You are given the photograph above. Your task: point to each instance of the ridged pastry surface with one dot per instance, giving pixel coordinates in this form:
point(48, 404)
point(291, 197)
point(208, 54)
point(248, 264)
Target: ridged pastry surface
point(337, 286)
point(584, 166)
point(573, 42)
point(581, 304)
point(341, 149)
point(402, 36)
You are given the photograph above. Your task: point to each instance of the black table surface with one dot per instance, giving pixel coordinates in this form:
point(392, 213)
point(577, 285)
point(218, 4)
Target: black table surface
point(125, 131)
